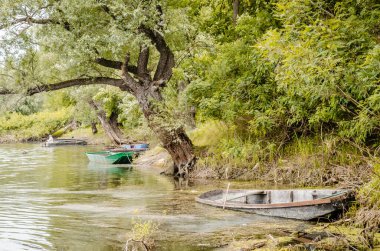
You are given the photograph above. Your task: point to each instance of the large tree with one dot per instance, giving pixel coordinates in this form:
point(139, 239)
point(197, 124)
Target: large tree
point(116, 43)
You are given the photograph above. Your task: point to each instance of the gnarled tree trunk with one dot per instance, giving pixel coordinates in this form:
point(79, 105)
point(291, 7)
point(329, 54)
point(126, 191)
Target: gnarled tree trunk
point(109, 124)
point(180, 148)
point(172, 136)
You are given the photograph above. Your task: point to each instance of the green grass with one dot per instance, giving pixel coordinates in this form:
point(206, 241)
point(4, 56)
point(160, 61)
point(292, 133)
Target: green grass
point(308, 160)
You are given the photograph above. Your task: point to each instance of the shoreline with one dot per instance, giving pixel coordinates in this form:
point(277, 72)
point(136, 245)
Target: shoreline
point(327, 236)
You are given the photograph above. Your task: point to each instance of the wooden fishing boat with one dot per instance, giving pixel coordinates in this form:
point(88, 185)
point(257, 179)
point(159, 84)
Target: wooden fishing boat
point(107, 157)
point(64, 142)
point(294, 204)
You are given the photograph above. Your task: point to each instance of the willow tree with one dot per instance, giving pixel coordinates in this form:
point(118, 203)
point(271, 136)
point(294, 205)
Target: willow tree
point(118, 43)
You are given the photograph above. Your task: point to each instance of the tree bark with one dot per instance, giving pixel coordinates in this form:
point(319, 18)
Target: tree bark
point(191, 119)
point(94, 129)
point(109, 124)
point(235, 11)
point(173, 137)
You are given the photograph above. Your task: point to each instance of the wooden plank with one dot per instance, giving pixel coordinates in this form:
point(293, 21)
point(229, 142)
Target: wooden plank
point(246, 195)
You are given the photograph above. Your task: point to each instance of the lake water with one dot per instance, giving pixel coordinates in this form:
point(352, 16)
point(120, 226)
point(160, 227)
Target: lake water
point(54, 199)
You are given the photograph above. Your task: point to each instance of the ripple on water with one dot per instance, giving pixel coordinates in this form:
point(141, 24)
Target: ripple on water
point(52, 199)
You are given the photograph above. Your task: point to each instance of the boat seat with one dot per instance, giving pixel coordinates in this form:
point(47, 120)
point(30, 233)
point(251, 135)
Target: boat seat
point(281, 196)
point(314, 195)
point(291, 196)
point(269, 197)
point(256, 198)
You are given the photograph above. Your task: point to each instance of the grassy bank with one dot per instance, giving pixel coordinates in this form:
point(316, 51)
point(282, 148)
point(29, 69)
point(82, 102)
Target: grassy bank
point(15, 127)
point(319, 237)
point(305, 161)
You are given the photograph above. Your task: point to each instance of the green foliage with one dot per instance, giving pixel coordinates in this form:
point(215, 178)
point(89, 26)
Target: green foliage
point(58, 100)
point(35, 126)
point(215, 17)
point(320, 66)
point(368, 211)
point(131, 116)
point(291, 68)
point(122, 105)
point(143, 230)
point(225, 147)
point(22, 105)
point(371, 191)
point(110, 100)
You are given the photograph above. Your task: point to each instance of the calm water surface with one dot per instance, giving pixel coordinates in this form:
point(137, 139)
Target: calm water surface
point(54, 199)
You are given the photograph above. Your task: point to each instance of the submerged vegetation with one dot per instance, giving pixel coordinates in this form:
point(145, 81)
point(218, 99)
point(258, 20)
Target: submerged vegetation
point(285, 91)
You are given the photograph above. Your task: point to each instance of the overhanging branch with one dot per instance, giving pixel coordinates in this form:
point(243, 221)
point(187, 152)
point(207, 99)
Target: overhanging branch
point(31, 20)
point(70, 83)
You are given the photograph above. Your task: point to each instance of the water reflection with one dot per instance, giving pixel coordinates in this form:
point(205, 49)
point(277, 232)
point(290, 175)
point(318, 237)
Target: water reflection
point(112, 176)
point(53, 199)
point(181, 183)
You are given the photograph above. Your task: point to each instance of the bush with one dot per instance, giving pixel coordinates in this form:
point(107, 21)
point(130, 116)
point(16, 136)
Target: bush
point(33, 127)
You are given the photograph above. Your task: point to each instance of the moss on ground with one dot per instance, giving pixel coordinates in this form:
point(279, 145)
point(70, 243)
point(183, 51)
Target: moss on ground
point(320, 237)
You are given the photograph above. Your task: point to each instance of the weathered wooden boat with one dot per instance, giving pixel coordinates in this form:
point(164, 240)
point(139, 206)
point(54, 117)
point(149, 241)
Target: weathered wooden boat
point(107, 157)
point(294, 204)
point(64, 142)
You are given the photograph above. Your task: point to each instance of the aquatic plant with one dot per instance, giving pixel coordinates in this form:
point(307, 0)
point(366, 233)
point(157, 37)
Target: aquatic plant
point(142, 232)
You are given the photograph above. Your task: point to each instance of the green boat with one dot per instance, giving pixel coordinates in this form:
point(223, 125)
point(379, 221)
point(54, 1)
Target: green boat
point(107, 157)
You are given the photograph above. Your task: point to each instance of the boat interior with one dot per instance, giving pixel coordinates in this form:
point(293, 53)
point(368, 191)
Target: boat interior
point(102, 153)
point(268, 196)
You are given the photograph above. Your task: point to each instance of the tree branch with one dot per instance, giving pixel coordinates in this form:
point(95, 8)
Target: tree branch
point(70, 83)
point(128, 79)
point(142, 63)
point(31, 20)
point(116, 65)
point(109, 63)
point(166, 61)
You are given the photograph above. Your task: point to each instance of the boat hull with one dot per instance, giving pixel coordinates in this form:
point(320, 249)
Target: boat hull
point(298, 213)
point(111, 158)
point(257, 202)
point(64, 142)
